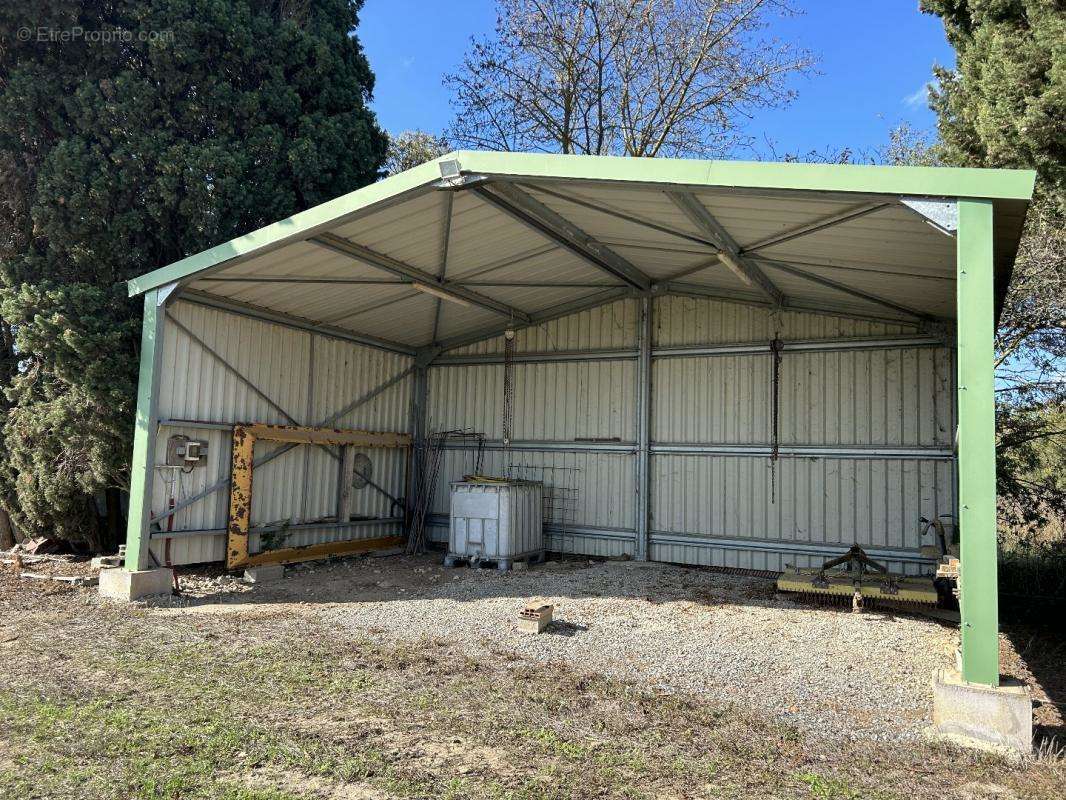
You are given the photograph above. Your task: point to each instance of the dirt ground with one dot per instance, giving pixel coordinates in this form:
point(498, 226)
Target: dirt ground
point(357, 680)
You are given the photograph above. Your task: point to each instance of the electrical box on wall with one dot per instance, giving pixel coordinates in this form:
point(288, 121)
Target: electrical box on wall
point(185, 452)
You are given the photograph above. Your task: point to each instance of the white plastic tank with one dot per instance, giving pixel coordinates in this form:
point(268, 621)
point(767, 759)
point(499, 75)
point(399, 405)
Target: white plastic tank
point(499, 520)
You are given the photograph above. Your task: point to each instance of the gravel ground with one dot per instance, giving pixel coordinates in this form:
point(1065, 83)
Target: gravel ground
point(826, 670)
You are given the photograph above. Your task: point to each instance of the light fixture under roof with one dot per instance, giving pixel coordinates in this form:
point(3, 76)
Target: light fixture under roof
point(441, 293)
point(450, 169)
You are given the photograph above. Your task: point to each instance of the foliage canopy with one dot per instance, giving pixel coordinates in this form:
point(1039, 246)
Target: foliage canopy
point(190, 122)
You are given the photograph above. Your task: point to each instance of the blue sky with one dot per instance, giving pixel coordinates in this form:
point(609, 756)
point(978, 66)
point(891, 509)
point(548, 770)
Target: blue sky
point(874, 59)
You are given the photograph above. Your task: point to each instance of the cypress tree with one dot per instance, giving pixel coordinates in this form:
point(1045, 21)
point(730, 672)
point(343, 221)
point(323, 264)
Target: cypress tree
point(133, 133)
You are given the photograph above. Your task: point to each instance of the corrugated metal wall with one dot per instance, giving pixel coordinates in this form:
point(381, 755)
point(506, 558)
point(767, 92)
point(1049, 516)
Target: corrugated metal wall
point(865, 433)
point(309, 378)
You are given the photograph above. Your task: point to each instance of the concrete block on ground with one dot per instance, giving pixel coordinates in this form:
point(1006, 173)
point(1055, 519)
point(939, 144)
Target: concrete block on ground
point(265, 573)
point(535, 618)
point(992, 718)
point(123, 584)
point(102, 562)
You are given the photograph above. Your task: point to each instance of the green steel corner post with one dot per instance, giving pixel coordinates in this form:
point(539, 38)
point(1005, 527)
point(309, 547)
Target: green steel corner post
point(144, 435)
point(977, 445)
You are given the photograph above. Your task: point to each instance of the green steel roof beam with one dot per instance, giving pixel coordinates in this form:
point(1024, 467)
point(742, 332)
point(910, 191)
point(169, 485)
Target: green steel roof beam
point(295, 228)
point(537, 216)
point(730, 256)
point(434, 286)
point(1005, 184)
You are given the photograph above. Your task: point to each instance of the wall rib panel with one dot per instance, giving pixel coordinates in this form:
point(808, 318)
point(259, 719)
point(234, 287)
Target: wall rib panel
point(310, 377)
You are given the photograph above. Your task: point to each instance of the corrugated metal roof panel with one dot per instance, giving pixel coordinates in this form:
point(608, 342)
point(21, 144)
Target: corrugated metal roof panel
point(890, 252)
point(456, 320)
point(412, 232)
point(536, 299)
point(542, 265)
point(610, 326)
point(409, 321)
point(481, 236)
point(933, 297)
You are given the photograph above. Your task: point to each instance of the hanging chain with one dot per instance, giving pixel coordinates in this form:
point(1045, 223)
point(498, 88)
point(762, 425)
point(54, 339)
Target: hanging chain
point(776, 346)
point(508, 392)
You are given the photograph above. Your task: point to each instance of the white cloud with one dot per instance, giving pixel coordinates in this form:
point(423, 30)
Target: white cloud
point(917, 98)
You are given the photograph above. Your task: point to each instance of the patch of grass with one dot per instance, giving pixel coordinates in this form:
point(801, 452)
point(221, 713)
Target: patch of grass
point(551, 743)
point(113, 747)
point(823, 788)
point(202, 708)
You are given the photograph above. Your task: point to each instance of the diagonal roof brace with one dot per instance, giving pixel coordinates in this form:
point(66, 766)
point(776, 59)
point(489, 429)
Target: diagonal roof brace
point(845, 289)
point(817, 225)
point(426, 282)
point(534, 214)
point(730, 254)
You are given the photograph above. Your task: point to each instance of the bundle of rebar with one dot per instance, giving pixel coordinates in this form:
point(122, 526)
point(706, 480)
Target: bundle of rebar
point(427, 473)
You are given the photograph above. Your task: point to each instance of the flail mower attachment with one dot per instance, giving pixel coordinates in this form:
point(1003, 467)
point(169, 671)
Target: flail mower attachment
point(861, 578)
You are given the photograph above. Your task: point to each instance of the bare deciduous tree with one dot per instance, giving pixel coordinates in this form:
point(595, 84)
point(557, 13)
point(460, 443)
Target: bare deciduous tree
point(411, 148)
point(623, 77)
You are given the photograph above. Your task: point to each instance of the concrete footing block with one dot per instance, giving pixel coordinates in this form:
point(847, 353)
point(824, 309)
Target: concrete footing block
point(122, 584)
point(995, 718)
point(265, 573)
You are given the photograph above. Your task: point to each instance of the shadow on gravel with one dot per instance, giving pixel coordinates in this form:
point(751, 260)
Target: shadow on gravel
point(1039, 659)
point(565, 629)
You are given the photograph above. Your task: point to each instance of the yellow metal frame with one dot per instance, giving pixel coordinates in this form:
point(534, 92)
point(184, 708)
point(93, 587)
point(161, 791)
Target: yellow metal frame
point(909, 589)
point(240, 498)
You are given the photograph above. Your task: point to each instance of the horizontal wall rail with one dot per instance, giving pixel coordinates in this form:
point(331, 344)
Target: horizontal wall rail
point(742, 348)
point(300, 526)
point(802, 451)
point(711, 449)
point(819, 550)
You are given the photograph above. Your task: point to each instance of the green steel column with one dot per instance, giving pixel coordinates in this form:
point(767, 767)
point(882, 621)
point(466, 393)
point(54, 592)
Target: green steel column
point(977, 445)
point(144, 434)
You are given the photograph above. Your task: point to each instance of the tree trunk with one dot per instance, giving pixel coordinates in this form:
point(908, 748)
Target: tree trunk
point(7, 532)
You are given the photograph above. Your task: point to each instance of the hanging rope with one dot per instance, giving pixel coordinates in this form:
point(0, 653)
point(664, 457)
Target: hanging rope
point(776, 346)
